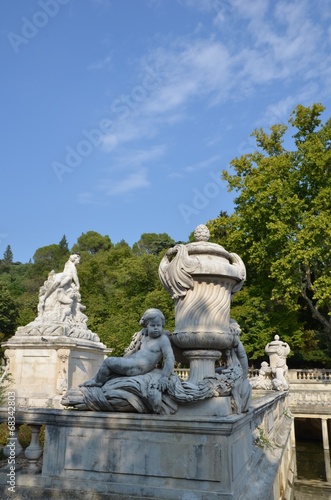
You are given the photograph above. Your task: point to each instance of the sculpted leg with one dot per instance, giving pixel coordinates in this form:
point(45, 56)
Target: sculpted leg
point(101, 377)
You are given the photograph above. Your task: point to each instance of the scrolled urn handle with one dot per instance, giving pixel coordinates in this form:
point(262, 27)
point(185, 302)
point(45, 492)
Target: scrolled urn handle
point(238, 263)
point(175, 271)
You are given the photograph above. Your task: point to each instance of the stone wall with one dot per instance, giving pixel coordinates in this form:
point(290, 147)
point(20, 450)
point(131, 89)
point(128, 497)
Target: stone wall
point(240, 457)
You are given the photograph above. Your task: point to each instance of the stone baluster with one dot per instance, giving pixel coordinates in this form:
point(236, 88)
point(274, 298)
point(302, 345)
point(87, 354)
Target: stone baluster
point(13, 448)
point(34, 451)
point(325, 433)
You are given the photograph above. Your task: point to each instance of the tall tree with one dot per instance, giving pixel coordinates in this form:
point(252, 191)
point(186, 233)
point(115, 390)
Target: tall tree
point(63, 245)
point(8, 255)
point(281, 225)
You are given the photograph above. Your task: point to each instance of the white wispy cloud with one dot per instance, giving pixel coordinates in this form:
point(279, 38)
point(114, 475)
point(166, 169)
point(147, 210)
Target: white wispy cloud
point(140, 157)
point(203, 164)
point(127, 173)
point(89, 198)
point(101, 64)
point(278, 42)
point(259, 44)
point(131, 182)
point(278, 112)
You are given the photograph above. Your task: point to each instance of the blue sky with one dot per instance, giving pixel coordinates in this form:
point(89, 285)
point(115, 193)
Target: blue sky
point(118, 116)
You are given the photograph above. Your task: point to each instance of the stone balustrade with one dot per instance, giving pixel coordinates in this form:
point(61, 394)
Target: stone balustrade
point(182, 373)
point(313, 375)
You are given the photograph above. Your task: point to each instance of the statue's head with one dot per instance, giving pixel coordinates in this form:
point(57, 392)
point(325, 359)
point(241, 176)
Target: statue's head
point(151, 315)
point(75, 258)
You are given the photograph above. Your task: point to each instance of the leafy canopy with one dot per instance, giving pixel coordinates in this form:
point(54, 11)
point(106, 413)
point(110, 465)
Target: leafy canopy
point(281, 225)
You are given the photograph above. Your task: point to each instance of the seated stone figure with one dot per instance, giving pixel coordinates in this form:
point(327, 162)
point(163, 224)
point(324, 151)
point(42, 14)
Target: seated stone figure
point(153, 346)
point(264, 378)
point(62, 280)
point(135, 383)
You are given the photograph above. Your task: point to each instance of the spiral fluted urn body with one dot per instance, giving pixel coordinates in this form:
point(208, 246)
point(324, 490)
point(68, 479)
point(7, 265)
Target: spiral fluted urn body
point(201, 277)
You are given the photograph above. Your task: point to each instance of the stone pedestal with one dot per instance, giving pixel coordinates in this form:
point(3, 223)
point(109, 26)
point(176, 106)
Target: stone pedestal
point(44, 368)
point(121, 456)
point(202, 364)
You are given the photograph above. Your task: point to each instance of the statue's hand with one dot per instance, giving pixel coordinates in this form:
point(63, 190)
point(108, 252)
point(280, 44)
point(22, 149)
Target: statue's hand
point(162, 383)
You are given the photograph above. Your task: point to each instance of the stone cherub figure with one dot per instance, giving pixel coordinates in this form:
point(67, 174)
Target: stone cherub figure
point(136, 383)
point(264, 379)
point(153, 346)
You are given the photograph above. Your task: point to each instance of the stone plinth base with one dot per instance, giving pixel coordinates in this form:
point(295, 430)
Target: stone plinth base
point(132, 456)
point(44, 368)
point(213, 407)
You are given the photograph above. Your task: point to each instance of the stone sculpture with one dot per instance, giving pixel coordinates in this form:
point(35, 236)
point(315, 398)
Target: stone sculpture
point(153, 346)
point(60, 311)
point(135, 383)
point(278, 351)
point(273, 377)
point(264, 378)
point(201, 277)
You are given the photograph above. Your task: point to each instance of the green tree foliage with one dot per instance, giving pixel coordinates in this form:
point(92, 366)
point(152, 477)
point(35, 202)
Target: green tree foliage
point(152, 243)
point(7, 260)
point(281, 227)
point(117, 287)
point(51, 257)
point(92, 243)
point(63, 246)
point(8, 313)
point(8, 255)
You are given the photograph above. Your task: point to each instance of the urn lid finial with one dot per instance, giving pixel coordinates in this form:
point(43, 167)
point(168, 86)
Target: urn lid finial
point(201, 233)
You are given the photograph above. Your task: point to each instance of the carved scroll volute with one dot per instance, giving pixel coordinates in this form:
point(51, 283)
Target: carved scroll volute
point(175, 271)
point(237, 261)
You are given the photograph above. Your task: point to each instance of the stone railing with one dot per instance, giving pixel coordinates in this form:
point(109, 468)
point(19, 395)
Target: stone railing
point(182, 373)
point(298, 375)
point(294, 376)
point(313, 375)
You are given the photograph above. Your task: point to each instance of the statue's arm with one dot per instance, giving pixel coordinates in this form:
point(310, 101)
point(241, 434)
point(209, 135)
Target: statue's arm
point(168, 357)
point(242, 356)
point(75, 277)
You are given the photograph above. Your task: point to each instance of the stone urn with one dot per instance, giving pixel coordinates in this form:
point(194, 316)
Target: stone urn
point(201, 277)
